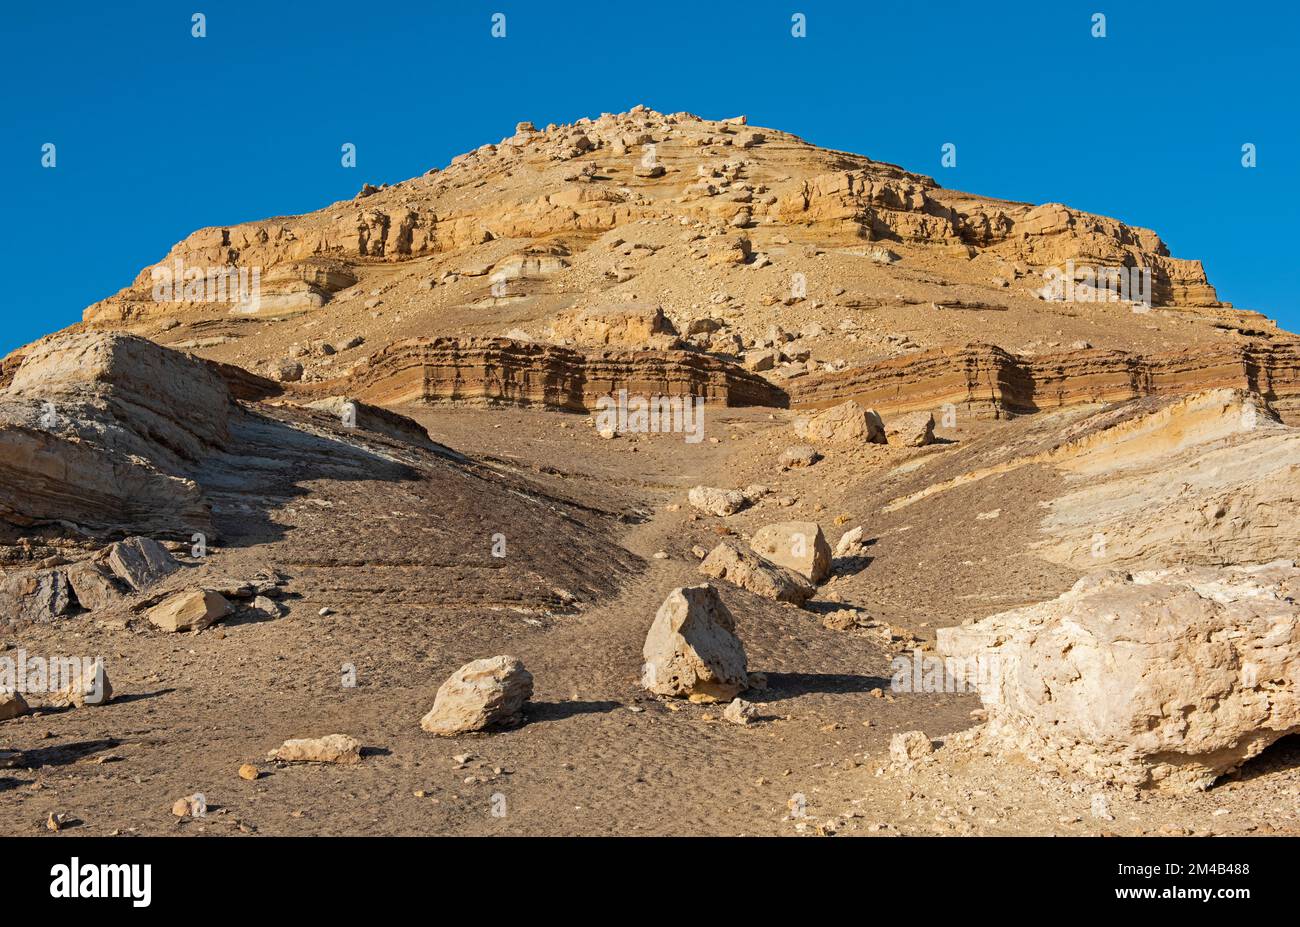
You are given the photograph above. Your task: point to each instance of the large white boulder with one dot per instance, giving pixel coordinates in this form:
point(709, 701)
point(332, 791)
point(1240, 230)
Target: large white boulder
point(692, 649)
point(1166, 678)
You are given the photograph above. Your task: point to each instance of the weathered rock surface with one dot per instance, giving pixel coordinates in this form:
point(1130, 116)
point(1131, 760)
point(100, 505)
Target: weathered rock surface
point(986, 380)
point(909, 746)
point(744, 568)
point(484, 693)
point(796, 545)
point(356, 414)
point(739, 711)
point(332, 748)
point(89, 685)
point(35, 595)
point(850, 543)
point(910, 429)
point(714, 501)
point(629, 324)
point(846, 424)
point(531, 373)
point(140, 562)
point(191, 610)
point(102, 430)
point(94, 585)
point(1209, 478)
point(1165, 678)
point(692, 649)
point(799, 455)
point(1213, 478)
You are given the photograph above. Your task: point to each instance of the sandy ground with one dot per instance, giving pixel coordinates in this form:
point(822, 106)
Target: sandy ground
point(597, 755)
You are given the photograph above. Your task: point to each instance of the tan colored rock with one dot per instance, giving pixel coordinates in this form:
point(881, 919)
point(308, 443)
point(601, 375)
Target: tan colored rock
point(532, 373)
point(341, 749)
point(484, 693)
point(759, 360)
point(744, 568)
point(191, 610)
point(692, 650)
point(799, 455)
point(729, 249)
point(634, 324)
point(910, 429)
point(740, 712)
point(796, 545)
point(843, 619)
point(249, 772)
point(12, 704)
point(88, 685)
point(845, 424)
point(93, 585)
point(850, 543)
point(714, 501)
point(909, 746)
point(1163, 678)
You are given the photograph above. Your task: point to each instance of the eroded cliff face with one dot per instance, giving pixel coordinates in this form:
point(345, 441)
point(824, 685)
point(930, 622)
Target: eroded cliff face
point(528, 373)
point(986, 380)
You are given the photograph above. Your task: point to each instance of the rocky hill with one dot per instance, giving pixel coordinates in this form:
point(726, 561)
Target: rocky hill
point(677, 472)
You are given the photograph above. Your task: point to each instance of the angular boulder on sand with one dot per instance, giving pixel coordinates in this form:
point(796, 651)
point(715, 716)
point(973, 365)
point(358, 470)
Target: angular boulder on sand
point(93, 585)
point(846, 424)
point(795, 545)
point(692, 649)
point(748, 570)
point(332, 748)
point(86, 685)
point(481, 694)
point(1162, 678)
point(910, 429)
point(191, 610)
point(850, 543)
point(140, 562)
point(720, 502)
point(799, 455)
point(740, 712)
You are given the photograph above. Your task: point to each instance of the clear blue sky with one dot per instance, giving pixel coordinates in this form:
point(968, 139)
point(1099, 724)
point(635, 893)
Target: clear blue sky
point(159, 133)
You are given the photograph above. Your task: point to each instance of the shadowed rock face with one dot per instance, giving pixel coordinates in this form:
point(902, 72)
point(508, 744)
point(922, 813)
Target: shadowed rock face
point(103, 431)
point(108, 435)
